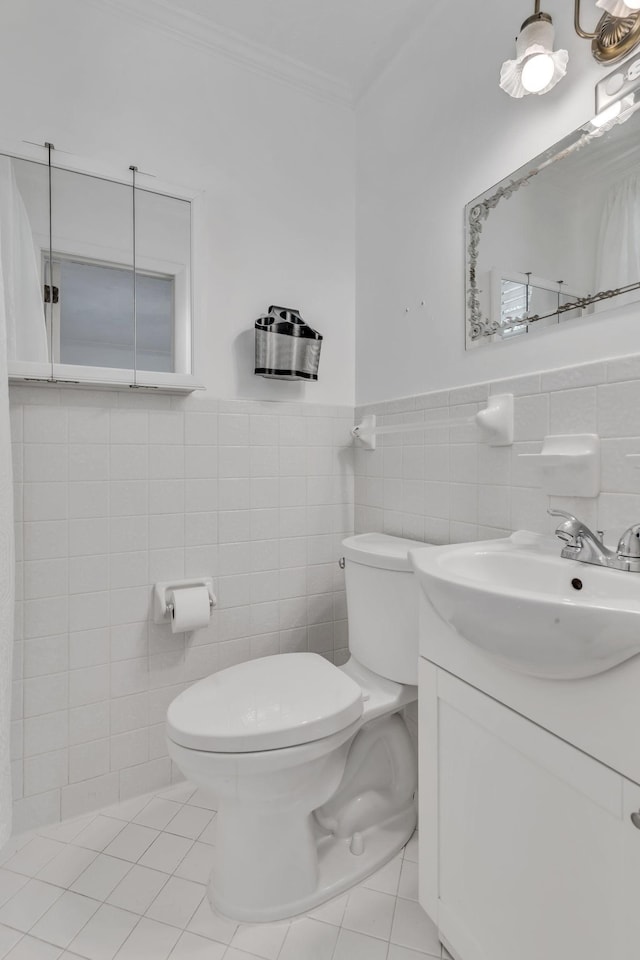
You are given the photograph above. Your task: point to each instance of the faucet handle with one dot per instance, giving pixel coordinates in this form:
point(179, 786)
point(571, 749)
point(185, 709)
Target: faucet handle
point(629, 544)
point(562, 513)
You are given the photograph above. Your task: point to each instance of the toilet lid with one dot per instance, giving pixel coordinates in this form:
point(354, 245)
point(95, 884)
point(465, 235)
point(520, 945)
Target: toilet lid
point(265, 704)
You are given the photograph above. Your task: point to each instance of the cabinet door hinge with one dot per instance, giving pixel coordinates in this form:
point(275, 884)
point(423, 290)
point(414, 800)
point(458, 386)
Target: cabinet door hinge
point(47, 294)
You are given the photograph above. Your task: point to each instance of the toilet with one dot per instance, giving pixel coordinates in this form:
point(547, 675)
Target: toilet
point(311, 766)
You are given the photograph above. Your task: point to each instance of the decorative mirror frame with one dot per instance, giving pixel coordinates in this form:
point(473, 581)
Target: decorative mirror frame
point(479, 328)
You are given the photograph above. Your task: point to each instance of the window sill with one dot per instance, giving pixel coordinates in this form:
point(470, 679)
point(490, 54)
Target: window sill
point(21, 371)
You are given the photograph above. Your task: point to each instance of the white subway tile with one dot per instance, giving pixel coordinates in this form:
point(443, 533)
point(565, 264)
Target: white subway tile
point(45, 539)
point(45, 424)
point(45, 462)
point(619, 409)
point(129, 426)
point(89, 498)
point(88, 574)
point(88, 537)
point(88, 461)
point(88, 425)
point(45, 501)
point(88, 685)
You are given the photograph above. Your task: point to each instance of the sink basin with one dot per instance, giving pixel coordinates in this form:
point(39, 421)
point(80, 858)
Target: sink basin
point(523, 604)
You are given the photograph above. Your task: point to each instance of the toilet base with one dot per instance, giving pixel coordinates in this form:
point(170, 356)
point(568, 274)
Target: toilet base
point(339, 868)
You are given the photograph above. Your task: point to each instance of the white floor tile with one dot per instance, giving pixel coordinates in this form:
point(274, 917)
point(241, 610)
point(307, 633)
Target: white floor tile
point(31, 949)
point(408, 887)
point(190, 822)
point(34, 856)
point(202, 799)
point(411, 849)
point(332, 911)
point(177, 902)
point(357, 946)
point(101, 877)
point(403, 953)
point(131, 842)
point(67, 866)
point(10, 883)
point(8, 939)
point(133, 887)
point(166, 852)
point(369, 912)
point(11, 847)
point(413, 928)
point(104, 934)
point(100, 832)
point(310, 939)
point(129, 808)
point(233, 954)
point(29, 904)
point(157, 813)
point(64, 920)
point(387, 878)
point(150, 940)
point(209, 924)
point(139, 889)
point(68, 830)
point(180, 792)
point(192, 947)
point(197, 864)
point(210, 833)
point(260, 939)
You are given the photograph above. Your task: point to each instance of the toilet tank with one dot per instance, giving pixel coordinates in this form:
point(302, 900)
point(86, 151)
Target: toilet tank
point(382, 605)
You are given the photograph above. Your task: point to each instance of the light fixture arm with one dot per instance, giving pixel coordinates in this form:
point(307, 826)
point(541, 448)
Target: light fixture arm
point(576, 22)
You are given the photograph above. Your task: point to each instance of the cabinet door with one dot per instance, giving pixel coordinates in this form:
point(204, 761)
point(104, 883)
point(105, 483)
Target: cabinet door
point(533, 847)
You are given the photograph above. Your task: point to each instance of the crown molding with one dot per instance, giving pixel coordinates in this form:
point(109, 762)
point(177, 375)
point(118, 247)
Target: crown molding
point(202, 33)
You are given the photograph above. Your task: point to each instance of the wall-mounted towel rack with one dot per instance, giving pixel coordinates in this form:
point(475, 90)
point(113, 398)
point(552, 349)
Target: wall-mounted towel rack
point(495, 423)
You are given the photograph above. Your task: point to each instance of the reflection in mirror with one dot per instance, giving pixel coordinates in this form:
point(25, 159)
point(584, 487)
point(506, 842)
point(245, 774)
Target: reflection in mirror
point(24, 215)
point(163, 298)
point(558, 240)
point(92, 263)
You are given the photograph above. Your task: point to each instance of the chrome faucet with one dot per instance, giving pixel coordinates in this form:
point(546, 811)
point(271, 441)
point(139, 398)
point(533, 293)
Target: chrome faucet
point(587, 547)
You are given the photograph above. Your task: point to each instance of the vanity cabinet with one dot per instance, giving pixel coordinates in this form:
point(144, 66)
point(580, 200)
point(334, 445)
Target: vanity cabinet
point(527, 847)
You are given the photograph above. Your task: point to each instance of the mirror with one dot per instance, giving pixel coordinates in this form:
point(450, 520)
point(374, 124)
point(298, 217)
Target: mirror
point(559, 239)
point(103, 273)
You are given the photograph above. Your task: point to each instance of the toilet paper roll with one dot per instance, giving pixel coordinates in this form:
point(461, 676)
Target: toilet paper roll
point(191, 609)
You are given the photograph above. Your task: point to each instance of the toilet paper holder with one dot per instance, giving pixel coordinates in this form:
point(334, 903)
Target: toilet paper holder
point(162, 606)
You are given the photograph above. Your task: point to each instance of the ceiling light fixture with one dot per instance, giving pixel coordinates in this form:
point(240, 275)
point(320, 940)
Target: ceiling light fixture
point(537, 66)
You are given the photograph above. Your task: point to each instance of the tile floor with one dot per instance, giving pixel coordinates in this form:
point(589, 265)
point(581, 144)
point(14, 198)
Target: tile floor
point(128, 883)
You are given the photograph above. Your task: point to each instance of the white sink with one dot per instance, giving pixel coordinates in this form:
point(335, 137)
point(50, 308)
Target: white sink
point(538, 613)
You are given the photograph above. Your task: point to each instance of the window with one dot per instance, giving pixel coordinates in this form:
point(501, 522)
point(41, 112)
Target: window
point(92, 316)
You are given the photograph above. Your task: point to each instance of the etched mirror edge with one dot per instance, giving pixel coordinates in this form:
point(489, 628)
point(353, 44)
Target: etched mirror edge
point(479, 329)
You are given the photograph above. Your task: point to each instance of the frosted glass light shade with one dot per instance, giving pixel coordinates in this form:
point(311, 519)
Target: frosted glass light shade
point(537, 66)
point(619, 8)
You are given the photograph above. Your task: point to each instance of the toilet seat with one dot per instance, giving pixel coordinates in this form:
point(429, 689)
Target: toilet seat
point(266, 704)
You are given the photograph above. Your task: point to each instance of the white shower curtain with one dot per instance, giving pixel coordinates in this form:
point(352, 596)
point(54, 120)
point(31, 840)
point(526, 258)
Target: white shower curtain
point(7, 576)
point(618, 262)
point(26, 335)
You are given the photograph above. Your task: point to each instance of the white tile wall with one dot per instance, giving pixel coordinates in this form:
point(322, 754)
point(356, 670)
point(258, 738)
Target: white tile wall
point(441, 484)
point(114, 492)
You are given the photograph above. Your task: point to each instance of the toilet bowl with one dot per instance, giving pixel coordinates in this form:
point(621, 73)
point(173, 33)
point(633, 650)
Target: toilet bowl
point(311, 765)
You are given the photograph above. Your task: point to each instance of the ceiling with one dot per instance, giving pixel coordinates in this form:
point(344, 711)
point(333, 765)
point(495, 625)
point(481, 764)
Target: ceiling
point(343, 43)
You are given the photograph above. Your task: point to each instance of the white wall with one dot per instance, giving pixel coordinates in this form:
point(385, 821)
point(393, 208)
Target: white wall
point(434, 132)
point(275, 164)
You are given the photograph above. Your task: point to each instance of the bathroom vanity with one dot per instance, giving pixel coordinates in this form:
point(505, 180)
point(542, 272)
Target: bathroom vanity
point(529, 800)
